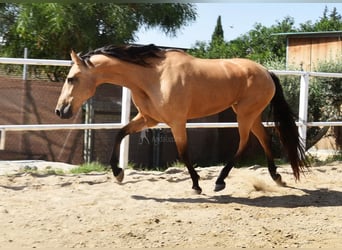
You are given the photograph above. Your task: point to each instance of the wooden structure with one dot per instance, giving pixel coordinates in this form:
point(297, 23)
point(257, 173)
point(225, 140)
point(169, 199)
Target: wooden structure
point(306, 49)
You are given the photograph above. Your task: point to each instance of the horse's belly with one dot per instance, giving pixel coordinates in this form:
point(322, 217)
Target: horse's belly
point(209, 104)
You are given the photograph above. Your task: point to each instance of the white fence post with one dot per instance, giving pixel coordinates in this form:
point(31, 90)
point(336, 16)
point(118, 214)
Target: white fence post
point(125, 117)
point(303, 106)
point(2, 139)
point(88, 119)
point(25, 65)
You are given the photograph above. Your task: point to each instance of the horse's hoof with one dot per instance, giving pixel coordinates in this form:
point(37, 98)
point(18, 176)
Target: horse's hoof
point(120, 176)
point(197, 190)
point(279, 181)
point(219, 187)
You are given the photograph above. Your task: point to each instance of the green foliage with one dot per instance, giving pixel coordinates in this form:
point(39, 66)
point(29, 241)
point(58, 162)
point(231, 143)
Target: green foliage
point(50, 30)
point(330, 91)
point(169, 17)
point(217, 48)
point(328, 22)
point(333, 158)
point(260, 43)
point(263, 45)
point(316, 161)
point(325, 98)
point(47, 171)
point(89, 167)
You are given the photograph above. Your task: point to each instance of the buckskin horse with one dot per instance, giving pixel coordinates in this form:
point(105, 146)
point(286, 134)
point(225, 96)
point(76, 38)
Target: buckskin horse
point(171, 86)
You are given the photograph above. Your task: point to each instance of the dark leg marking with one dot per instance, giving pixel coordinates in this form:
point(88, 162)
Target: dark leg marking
point(220, 184)
point(114, 161)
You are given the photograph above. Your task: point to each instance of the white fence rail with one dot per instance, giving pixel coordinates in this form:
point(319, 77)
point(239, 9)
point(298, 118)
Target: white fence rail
point(126, 101)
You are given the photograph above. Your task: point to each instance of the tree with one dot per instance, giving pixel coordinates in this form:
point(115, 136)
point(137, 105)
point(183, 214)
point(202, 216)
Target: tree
point(218, 34)
point(261, 44)
point(258, 44)
point(216, 48)
point(50, 30)
point(328, 22)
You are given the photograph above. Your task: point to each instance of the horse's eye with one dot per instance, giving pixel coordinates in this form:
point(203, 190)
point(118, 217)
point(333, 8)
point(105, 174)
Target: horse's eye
point(70, 80)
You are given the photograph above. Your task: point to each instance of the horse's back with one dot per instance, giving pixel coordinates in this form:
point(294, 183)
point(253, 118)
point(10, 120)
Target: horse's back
point(238, 76)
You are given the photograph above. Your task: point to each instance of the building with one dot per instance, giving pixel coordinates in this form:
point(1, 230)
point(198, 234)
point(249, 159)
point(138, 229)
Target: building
point(305, 50)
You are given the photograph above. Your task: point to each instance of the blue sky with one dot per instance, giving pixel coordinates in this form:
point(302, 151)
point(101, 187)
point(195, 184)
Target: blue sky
point(237, 19)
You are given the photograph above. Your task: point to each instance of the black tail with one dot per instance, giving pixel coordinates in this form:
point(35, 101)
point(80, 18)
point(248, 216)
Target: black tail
point(284, 120)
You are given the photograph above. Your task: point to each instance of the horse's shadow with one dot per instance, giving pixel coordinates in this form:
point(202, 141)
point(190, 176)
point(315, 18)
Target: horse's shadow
point(316, 198)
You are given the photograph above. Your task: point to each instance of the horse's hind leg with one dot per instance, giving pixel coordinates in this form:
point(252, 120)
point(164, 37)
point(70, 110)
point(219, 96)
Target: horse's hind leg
point(180, 136)
point(137, 124)
point(259, 131)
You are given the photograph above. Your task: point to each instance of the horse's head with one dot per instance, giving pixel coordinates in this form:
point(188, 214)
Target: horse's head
point(79, 86)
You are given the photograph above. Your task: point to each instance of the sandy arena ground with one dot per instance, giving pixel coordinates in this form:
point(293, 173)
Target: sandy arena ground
point(158, 209)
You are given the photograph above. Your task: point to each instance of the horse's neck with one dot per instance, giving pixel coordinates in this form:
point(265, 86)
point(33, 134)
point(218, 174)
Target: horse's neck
point(111, 70)
point(125, 74)
point(146, 79)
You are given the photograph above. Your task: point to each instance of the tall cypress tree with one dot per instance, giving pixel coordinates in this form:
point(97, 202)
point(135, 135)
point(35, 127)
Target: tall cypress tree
point(218, 35)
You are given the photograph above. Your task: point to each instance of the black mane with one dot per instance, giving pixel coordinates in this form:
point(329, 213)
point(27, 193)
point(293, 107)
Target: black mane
point(136, 54)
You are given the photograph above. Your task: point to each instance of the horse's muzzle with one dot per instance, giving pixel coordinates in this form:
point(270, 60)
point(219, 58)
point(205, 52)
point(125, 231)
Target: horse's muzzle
point(64, 112)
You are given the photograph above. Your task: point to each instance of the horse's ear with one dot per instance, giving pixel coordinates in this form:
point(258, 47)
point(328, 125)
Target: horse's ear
point(75, 58)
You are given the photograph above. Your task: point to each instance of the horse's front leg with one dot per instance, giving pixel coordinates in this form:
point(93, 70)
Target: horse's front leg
point(180, 136)
point(114, 160)
point(137, 124)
